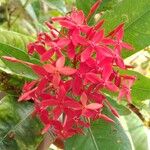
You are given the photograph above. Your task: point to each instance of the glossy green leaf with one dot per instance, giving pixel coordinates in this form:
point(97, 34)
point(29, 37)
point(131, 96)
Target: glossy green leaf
point(86, 5)
point(14, 44)
point(121, 109)
point(102, 136)
point(18, 130)
point(133, 126)
point(16, 68)
point(136, 15)
point(136, 131)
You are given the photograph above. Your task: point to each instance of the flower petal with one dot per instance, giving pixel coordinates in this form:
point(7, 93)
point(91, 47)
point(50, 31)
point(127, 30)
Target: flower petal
point(57, 112)
point(62, 42)
point(71, 50)
point(98, 36)
point(92, 77)
point(56, 80)
point(127, 46)
point(94, 106)
point(39, 70)
point(29, 86)
point(72, 104)
point(49, 68)
point(78, 17)
point(112, 87)
point(41, 85)
point(46, 56)
point(83, 99)
point(50, 102)
point(106, 118)
point(77, 85)
point(106, 72)
point(27, 95)
point(86, 54)
point(66, 23)
point(60, 62)
point(67, 71)
point(120, 62)
point(40, 49)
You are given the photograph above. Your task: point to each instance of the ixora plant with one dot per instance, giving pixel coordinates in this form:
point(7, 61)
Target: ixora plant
point(80, 66)
point(77, 64)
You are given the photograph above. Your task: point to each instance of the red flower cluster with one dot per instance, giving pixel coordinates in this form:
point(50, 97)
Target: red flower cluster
point(77, 64)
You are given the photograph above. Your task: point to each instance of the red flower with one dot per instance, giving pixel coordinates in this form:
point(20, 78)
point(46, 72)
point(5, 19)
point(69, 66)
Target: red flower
point(61, 102)
point(94, 78)
point(74, 22)
point(95, 44)
point(88, 110)
point(58, 69)
point(125, 90)
point(54, 47)
point(118, 35)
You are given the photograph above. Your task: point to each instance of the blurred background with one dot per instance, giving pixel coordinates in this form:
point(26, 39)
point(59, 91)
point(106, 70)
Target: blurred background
point(28, 16)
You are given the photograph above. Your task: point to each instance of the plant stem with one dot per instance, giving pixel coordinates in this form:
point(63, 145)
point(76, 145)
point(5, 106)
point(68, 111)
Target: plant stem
point(7, 15)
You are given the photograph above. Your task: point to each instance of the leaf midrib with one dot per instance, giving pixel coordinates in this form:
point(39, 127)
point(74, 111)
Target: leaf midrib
point(17, 124)
point(93, 138)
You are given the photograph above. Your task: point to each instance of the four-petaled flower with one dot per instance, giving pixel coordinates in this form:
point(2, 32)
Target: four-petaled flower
point(58, 69)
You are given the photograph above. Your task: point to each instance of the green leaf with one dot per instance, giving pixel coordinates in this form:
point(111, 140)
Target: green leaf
point(18, 129)
point(136, 15)
point(122, 110)
point(58, 5)
point(86, 5)
point(136, 131)
point(16, 68)
point(14, 39)
point(102, 136)
point(36, 4)
point(14, 44)
point(29, 9)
